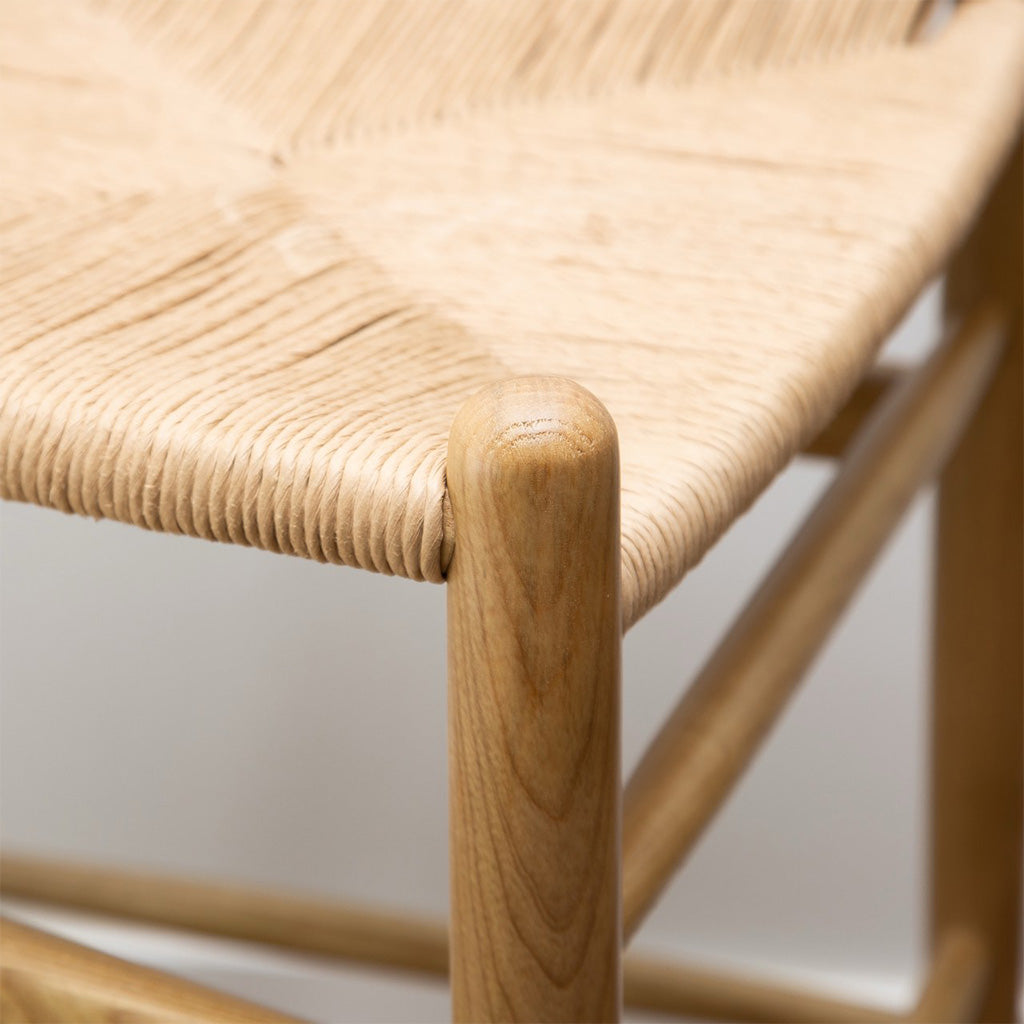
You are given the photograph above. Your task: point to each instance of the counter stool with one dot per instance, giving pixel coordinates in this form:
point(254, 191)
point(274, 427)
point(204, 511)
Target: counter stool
point(401, 285)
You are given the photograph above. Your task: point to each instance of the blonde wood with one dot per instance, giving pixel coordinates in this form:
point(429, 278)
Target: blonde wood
point(534, 630)
point(28, 999)
point(49, 980)
point(709, 739)
point(668, 987)
point(835, 440)
point(403, 941)
point(977, 730)
point(955, 987)
point(251, 914)
point(248, 273)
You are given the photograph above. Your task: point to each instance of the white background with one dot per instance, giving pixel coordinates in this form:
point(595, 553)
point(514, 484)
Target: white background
point(210, 709)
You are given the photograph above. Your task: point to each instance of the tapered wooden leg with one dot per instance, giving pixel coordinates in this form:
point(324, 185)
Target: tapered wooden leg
point(533, 680)
point(978, 719)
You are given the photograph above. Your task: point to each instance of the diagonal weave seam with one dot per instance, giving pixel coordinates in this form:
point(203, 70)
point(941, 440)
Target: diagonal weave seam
point(520, 246)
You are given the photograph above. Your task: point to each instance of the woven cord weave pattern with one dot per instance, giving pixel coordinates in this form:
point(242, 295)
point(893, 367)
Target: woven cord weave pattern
point(254, 255)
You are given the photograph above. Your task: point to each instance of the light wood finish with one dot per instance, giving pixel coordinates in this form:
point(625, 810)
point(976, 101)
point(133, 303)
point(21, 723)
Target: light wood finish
point(331, 928)
point(46, 979)
point(701, 994)
point(955, 987)
point(534, 630)
point(978, 718)
point(701, 751)
point(233, 911)
point(835, 440)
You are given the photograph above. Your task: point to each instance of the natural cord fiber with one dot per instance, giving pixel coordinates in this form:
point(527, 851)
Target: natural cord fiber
point(255, 255)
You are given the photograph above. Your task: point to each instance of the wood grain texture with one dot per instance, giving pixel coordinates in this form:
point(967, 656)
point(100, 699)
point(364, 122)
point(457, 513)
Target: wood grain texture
point(48, 980)
point(386, 938)
point(977, 731)
point(534, 677)
point(955, 986)
point(289, 920)
point(712, 734)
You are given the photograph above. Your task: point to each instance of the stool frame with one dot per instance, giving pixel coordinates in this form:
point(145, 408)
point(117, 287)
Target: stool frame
point(554, 864)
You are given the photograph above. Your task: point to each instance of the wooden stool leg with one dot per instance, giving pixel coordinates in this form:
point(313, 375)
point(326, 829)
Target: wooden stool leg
point(534, 634)
point(978, 717)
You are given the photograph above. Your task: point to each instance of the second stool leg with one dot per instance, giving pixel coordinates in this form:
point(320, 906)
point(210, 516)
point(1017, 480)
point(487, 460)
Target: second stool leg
point(533, 667)
point(977, 741)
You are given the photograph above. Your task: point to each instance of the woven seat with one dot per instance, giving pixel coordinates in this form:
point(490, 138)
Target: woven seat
point(255, 256)
point(404, 285)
